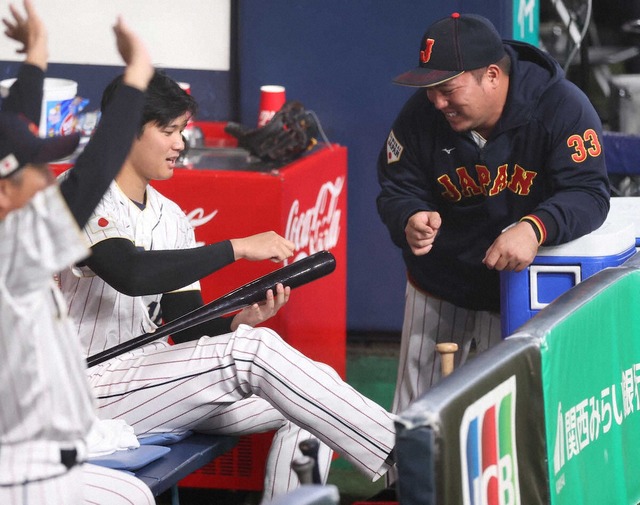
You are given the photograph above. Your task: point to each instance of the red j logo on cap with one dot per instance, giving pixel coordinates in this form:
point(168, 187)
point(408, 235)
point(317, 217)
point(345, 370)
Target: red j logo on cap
point(425, 54)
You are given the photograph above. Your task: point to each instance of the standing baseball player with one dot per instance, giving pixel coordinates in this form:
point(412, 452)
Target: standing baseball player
point(496, 154)
point(239, 379)
point(47, 404)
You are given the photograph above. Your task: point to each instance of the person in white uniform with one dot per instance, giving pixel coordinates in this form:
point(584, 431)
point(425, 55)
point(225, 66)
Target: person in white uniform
point(226, 376)
point(47, 404)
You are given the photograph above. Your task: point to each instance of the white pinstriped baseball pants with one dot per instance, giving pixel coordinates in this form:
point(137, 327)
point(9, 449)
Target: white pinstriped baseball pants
point(82, 485)
point(428, 321)
point(248, 381)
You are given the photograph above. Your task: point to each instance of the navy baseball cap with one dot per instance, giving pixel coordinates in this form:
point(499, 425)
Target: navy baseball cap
point(452, 46)
point(20, 144)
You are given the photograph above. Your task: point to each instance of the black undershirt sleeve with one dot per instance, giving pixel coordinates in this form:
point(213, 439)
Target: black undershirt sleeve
point(179, 303)
point(26, 93)
point(137, 272)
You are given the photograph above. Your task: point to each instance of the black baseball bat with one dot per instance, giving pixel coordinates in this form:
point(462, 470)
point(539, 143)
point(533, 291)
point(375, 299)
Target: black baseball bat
point(294, 275)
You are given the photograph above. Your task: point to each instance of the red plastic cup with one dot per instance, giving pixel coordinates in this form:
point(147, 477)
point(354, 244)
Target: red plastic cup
point(272, 98)
point(185, 86)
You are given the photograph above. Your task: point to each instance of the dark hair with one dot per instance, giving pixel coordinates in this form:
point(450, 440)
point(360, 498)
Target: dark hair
point(504, 63)
point(164, 100)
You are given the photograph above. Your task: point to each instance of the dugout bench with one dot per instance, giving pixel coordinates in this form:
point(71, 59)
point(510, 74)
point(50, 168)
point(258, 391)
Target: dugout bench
point(184, 458)
point(162, 467)
point(177, 460)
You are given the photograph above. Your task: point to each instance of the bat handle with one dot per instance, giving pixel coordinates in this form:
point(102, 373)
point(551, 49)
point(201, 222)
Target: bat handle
point(303, 466)
point(446, 350)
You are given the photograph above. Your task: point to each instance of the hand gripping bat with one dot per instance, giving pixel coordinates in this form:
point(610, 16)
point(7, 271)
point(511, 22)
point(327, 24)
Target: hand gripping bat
point(296, 274)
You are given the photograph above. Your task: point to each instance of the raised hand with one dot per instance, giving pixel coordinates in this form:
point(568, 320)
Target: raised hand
point(31, 32)
point(135, 55)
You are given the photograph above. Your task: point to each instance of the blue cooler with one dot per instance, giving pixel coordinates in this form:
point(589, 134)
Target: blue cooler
point(556, 269)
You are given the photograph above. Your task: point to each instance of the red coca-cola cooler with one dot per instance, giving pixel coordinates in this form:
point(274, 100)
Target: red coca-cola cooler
point(228, 194)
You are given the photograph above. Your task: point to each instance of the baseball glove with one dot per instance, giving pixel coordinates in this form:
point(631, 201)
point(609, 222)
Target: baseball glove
point(292, 131)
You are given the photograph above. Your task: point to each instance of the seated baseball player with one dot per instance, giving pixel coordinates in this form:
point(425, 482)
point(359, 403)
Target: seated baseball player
point(47, 404)
point(238, 379)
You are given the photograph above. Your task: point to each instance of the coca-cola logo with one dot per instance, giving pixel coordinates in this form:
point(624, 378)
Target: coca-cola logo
point(318, 227)
point(313, 229)
point(197, 218)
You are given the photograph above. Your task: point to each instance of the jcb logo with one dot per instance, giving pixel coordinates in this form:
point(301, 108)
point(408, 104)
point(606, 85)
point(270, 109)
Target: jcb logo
point(488, 449)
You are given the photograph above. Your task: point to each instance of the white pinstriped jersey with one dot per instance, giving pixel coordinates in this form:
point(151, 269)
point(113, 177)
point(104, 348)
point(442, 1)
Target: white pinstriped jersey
point(46, 401)
point(103, 316)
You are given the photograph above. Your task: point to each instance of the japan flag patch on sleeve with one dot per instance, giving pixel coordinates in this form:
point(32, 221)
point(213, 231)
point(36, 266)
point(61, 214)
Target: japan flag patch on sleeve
point(394, 148)
point(100, 225)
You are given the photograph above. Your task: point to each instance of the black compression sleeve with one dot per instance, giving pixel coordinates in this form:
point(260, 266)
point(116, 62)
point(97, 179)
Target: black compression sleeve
point(136, 272)
point(25, 96)
point(103, 156)
point(177, 304)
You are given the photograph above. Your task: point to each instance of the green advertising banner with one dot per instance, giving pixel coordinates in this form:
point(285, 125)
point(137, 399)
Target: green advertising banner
point(591, 374)
point(526, 21)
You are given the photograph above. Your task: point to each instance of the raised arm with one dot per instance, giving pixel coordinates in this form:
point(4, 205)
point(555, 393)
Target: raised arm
point(29, 30)
point(109, 146)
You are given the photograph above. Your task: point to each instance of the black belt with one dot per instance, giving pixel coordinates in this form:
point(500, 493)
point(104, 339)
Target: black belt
point(68, 457)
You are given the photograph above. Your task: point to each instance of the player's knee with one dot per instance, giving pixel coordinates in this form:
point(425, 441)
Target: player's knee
point(256, 339)
point(256, 331)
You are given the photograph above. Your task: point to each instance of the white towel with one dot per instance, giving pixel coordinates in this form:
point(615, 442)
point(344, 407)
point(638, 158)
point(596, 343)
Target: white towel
point(110, 435)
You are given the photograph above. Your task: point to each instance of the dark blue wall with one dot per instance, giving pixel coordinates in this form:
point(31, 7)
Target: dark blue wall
point(338, 58)
point(212, 89)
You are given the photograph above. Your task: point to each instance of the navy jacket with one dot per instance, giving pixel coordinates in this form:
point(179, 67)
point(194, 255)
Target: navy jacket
point(544, 157)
